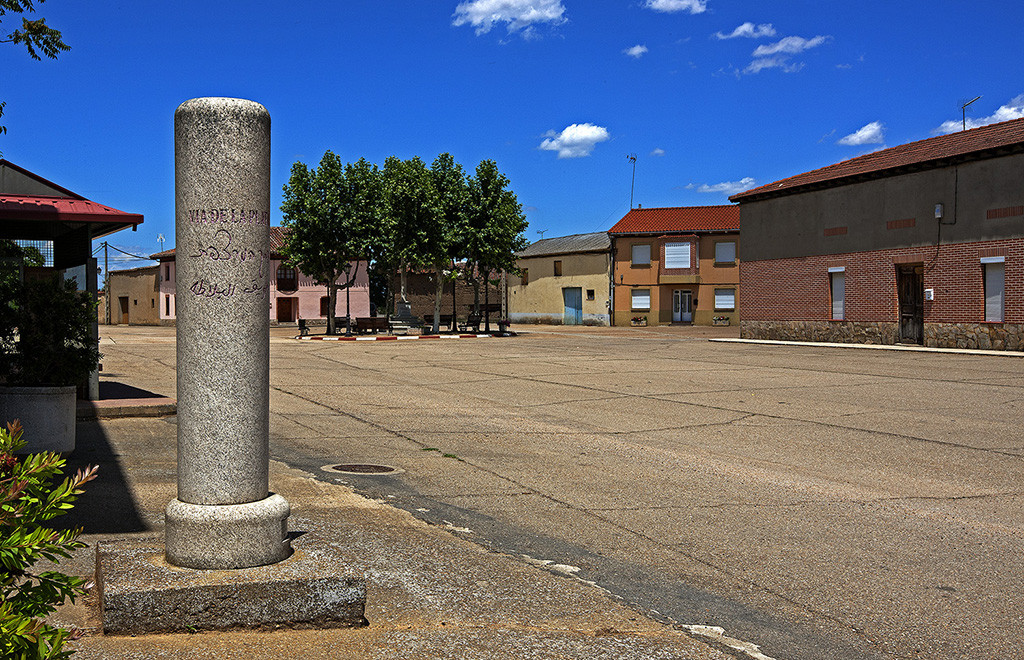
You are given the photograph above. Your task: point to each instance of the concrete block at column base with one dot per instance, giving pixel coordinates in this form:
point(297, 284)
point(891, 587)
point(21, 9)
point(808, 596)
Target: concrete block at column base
point(140, 593)
point(213, 536)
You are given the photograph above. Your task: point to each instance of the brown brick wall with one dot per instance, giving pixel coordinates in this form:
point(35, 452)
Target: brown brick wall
point(797, 289)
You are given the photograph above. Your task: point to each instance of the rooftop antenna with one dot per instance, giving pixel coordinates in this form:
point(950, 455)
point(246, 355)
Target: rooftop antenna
point(160, 240)
point(631, 158)
point(541, 232)
point(963, 109)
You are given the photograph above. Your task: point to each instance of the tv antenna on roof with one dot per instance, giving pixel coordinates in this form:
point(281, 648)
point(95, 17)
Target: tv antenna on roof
point(541, 232)
point(963, 109)
point(160, 240)
point(631, 158)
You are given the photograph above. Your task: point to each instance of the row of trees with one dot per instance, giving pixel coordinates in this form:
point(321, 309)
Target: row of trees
point(400, 217)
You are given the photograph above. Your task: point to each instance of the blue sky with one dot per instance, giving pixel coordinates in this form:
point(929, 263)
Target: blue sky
point(711, 95)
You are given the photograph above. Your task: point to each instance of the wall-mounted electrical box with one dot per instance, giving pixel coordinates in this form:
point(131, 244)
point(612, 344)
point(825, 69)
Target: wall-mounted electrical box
point(929, 294)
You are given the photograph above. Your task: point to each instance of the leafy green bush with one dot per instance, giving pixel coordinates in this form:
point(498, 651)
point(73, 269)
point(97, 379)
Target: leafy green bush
point(27, 500)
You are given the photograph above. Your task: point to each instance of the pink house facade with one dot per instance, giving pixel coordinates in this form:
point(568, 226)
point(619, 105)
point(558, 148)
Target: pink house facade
point(293, 295)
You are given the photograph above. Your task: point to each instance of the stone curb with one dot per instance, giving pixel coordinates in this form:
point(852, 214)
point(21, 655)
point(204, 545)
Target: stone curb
point(119, 408)
point(402, 337)
point(876, 347)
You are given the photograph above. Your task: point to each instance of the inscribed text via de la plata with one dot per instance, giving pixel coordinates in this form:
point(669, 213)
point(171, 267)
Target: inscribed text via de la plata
point(228, 215)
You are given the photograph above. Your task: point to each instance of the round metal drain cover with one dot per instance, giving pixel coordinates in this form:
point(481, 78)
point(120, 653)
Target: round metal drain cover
point(361, 468)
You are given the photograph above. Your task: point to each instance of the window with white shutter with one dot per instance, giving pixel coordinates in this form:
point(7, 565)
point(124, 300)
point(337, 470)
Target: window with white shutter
point(641, 300)
point(725, 299)
point(677, 255)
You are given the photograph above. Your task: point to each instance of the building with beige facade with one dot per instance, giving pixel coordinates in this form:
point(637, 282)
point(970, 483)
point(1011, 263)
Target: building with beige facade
point(134, 296)
point(564, 280)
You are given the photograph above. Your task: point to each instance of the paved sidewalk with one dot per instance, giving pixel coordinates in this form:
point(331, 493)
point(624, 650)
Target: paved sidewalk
point(429, 593)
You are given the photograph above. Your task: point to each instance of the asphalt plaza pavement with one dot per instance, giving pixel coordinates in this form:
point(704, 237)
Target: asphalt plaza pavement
point(816, 501)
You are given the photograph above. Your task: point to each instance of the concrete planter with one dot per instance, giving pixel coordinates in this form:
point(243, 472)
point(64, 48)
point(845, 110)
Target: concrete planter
point(46, 413)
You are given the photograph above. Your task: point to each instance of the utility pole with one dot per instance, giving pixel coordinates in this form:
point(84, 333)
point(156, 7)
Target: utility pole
point(106, 285)
point(632, 158)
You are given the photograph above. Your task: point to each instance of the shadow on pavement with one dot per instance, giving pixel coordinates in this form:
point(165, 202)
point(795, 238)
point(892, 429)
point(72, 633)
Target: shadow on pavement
point(108, 506)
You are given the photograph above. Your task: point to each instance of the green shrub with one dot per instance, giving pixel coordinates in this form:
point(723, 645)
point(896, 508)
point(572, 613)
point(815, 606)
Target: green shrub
point(27, 500)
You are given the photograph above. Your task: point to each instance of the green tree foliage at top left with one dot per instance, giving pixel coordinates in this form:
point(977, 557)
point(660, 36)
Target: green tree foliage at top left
point(37, 37)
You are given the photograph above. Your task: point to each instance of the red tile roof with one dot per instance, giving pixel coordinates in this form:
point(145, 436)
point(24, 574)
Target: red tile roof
point(33, 207)
point(922, 154)
point(276, 243)
point(679, 219)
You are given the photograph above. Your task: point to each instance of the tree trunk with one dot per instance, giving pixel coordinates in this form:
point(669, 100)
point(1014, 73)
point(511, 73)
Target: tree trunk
point(332, 304)
point(404, 271)
point(438, 292)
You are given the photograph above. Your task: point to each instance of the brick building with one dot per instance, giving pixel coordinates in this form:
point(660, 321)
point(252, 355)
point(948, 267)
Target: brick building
point(676, 265)
point(921, 243)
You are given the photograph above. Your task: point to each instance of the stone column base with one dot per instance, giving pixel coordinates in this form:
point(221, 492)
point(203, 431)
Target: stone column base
point(225, 536)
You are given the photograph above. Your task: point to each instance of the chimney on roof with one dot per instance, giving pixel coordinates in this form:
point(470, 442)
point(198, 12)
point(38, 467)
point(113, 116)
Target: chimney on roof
point(639, 206)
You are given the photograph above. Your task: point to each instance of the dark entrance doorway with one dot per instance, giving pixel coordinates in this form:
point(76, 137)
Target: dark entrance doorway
point(910, 290)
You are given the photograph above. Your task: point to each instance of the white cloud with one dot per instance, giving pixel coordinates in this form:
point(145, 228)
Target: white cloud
point(789, 46)
point(778, 62)
point(873, 133)
point(777, 55)
point(520, 15)
point(725, 187)
point(575, 141)
point(750, 31)
point(1012, 110)
point(636, 51)
point(669, 6)
point(657, 151)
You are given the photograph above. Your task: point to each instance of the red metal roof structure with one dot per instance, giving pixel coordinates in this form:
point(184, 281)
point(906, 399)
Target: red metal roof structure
point(941, 151)
point(679, 219)
point(36, 209)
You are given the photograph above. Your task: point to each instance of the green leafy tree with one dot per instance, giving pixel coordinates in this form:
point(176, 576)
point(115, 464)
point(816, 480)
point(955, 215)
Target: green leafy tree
point(412, 207)
point(332, 216)
point(36, 36)
point(495, 227)
point(27, 501)
point(443, 236)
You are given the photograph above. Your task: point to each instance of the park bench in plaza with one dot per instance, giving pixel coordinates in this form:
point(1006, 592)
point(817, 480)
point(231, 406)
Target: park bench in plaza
point(374, 324)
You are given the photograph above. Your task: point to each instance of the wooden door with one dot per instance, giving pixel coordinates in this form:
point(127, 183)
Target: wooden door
point(910, 291)
point(123, 302)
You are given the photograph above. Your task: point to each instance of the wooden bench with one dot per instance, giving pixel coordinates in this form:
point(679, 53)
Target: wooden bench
point(445, 320)
point(372, 324)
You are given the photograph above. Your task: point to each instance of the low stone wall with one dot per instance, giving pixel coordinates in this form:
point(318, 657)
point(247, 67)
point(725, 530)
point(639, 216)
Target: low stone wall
point(843, 332)
point(985, 336)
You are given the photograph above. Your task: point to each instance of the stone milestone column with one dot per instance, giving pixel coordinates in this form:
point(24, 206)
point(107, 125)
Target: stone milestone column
point(224, 516)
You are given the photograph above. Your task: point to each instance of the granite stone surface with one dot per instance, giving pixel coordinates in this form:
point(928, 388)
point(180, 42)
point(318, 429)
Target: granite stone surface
point(140, 593)
point(222, 233)
point(228, 535)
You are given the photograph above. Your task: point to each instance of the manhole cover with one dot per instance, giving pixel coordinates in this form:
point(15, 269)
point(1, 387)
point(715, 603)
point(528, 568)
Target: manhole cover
point(362, 468)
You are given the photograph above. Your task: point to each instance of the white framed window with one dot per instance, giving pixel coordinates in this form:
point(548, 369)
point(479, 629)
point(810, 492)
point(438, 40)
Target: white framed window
point(725, 252)
point(725, 300)
point(677, 255)
point(837, 290)
point(641, 255)
point(640, 300)
point(995, 288)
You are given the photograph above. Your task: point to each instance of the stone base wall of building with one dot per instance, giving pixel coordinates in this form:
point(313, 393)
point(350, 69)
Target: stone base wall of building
point(985, 336)
point(843, 332)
